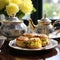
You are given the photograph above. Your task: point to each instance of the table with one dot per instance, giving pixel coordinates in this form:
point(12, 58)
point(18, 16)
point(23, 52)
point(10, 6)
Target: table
point(9, 53)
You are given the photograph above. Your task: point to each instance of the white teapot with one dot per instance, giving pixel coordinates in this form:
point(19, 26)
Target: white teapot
point(12, 28)
point(44, 26)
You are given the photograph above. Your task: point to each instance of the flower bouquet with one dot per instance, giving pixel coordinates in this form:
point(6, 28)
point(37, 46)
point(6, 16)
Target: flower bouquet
point(16, 7)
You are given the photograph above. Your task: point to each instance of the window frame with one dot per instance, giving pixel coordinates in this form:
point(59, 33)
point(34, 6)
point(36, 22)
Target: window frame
point(38, 14)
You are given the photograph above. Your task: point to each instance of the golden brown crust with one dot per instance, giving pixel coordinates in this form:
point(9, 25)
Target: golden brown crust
point(20, 41)
point(42, 36)
point(22, 38)
point(29, 35)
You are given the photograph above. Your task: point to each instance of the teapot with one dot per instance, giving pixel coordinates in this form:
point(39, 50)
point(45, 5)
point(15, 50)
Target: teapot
point(12, 27)
point(44, 26)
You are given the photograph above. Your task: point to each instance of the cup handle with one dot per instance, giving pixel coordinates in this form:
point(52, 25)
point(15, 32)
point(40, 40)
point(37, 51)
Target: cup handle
point(56, 22)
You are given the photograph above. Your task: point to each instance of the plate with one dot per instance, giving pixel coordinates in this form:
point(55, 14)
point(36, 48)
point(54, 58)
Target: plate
point(54, 35)
point(53, 43)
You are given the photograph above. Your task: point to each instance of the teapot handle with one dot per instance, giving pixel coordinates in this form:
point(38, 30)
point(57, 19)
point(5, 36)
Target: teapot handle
point(56, 22)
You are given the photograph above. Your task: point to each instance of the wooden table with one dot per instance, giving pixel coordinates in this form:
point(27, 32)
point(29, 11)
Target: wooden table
point(9, 53)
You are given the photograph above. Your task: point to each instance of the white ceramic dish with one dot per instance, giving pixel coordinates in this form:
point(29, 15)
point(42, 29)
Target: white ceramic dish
point(54, 35)
point(53, 44)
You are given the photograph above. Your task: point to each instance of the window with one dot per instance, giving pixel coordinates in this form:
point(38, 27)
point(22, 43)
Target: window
point(51, 8)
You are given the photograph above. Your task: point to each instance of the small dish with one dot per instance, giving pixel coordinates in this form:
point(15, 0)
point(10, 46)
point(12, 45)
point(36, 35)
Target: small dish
point(54, 34)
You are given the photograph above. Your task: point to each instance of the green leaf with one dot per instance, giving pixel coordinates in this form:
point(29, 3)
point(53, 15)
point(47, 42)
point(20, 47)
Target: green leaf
point(34, 9)
point(20, 15)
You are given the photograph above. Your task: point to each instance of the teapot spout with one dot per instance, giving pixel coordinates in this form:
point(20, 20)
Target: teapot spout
point(31, 24)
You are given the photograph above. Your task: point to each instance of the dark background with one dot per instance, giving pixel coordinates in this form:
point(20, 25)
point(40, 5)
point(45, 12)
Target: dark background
point(38, 14)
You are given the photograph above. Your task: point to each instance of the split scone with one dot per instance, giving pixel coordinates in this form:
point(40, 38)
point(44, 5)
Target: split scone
point(34, 43)
point(21, 41)
point(29, 35)
point(44, 39)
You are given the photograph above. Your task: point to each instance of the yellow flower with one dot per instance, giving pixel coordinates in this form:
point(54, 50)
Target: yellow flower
point(12, 9)
point(26, 7)
point(27, 1)
point(12, 1)
point(2, 4)
point(16, 1)
point(6, 1)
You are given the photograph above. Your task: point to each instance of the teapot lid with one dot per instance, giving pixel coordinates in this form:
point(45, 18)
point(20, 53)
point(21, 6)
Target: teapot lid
point(44, 19)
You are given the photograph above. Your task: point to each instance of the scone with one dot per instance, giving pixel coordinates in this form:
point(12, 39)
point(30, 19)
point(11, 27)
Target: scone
point(29, 35)
point(34, 43)
point(21, 41)
point(44, 39)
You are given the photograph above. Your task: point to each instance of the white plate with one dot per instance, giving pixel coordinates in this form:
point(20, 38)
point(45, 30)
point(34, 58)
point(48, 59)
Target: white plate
point(53, 43)
point(54, 35)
